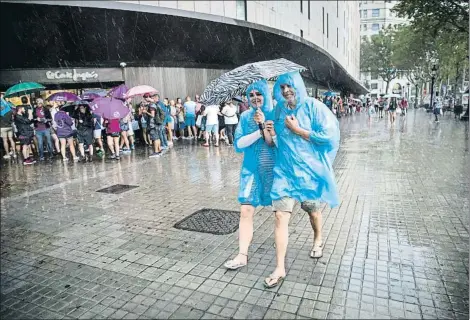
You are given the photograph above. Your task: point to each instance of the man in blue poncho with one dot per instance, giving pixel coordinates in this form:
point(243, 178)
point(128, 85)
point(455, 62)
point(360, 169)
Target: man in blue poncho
point(256, 176)
point(307, 139)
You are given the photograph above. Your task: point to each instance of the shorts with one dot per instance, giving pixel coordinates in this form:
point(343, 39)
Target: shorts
point(287, 204)
point(7, 132)
point(154, 134)
point(214, 128)
point(25, 140)
point(181, 125)
point(190, 121)
point(97, 133)
point(143, 125)
point(85, 137)
point(67, 136)
point(124, 126)
point(114, 134)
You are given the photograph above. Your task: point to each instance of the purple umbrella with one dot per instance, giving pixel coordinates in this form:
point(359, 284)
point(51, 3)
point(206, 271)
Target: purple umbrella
point(109, 108)
point(118, 92)
point(63, 96)
point(89, 96)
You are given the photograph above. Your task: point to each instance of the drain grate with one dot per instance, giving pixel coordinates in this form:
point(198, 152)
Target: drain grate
point(117, 188)
point(213, 221)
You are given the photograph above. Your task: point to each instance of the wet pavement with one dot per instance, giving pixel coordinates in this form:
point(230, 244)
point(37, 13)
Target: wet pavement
point(396, 247)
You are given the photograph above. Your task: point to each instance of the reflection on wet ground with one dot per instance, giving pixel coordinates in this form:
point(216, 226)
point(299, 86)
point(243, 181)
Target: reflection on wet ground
point(396, 247)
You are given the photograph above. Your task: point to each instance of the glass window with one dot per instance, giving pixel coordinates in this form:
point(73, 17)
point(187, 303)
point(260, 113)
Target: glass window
point(323, 18)
point(375, 27)
point(374, 85)
point(375, 13)
point(374, 76)
point(301, 33)
point(364, 13)
point(364, 26)
point(241, 10)
point(301, 6)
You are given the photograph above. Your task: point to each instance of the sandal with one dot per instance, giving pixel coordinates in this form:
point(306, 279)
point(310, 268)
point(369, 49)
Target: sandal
point(278, 281)
point(216, 145)
point(317, 251)
point(234, 265)
point(205, 145)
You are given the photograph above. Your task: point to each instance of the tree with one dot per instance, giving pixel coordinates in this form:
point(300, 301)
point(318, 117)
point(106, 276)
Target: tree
point(377, 55)
point(435, 16)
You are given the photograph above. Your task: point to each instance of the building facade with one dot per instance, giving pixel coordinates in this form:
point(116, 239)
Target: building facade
point(180, 46)
point(374, 16)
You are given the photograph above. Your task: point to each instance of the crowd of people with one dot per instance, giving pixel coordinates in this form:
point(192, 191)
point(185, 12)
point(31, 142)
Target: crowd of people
point(34, 129)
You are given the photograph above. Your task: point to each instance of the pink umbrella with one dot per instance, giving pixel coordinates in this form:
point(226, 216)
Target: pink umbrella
point(109, 108)
point(140, 91)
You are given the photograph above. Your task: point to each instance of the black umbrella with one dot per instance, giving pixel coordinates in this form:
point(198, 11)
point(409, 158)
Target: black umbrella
point(72, 106)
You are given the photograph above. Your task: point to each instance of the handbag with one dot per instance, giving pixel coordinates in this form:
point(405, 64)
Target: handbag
point(135, 125)
point(198, 121)
point(398, 111)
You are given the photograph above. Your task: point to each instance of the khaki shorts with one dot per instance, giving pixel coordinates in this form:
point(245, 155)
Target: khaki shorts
point(287, 204)
point(6, 132)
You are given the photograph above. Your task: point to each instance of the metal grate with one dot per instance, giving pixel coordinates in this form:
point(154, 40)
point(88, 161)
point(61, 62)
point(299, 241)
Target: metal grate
point(213, 221)
point(117, 188)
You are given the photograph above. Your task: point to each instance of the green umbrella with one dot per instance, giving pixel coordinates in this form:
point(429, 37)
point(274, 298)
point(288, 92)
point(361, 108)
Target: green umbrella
point(23, 88)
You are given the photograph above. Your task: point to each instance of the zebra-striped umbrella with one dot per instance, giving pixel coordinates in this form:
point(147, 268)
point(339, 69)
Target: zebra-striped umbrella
point(235, 82)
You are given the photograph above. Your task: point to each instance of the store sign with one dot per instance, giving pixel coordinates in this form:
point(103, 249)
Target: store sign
point(73, 75)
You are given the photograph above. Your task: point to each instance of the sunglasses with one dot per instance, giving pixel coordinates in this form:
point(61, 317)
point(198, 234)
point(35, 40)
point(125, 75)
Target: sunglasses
point(257, 94)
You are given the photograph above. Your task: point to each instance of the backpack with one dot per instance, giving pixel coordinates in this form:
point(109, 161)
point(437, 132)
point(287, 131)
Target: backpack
point(159, 116)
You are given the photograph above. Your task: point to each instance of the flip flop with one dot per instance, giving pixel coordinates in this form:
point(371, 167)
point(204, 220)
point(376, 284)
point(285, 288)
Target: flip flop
point(317, 251)
point(279, 280)
point(234, 265)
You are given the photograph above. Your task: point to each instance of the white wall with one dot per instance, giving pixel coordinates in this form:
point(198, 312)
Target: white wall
point(286, 16)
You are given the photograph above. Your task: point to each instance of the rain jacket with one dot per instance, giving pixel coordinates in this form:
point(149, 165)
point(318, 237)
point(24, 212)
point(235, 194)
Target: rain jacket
point(23, 125)
point(256, 176)
point(64, 124)
point(87, 125)
point(304, 169)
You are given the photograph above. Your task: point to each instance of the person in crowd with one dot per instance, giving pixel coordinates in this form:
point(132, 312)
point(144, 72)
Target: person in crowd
point(221, 124)
point(243, 106)
point(124, 123)
point(160, 119)
point(65, 133)
point(42, 123)
point(437, 104)
point(212, 124)
point(97, 134)
point(174, 120)
point(229, 112)
point(181, 117)
point(53, 108)
point(202, 129)
point(130, 132)
point(392, 109)
point(85, 126)
point(404, 106)
point(381, 103)
point(6, 129)
point(190, 116)
point(113, 132)
point(307, 139)
point(143, 121)
point(23, 121)
point(168, 122)
point(256, 174)
point(27, 106)
point(154, 126)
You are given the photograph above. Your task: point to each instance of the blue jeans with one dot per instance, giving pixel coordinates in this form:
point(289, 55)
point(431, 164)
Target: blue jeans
point(40, 136)
point(161, 135)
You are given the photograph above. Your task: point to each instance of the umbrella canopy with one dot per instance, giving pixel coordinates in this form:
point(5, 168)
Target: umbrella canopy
point(393, 95)
point(72, 106)
point(140, 91)
point(354, 99)
point(109, 108)
point(63, 96)
point(23, 88)
point(89, 96)
point(235, 82)
point(118, 92)
point(329, 94)
point(100, 92)
point(5, 107)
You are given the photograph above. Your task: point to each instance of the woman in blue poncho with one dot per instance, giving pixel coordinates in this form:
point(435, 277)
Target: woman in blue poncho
point(256, 174)
point(307, 139)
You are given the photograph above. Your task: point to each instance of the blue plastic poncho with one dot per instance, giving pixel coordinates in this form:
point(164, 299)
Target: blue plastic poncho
point(304, 169)
point(256, 176)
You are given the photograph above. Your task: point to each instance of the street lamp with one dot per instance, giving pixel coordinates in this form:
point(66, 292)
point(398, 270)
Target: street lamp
point(123, 69)
point(433, 78)
point(408, 91)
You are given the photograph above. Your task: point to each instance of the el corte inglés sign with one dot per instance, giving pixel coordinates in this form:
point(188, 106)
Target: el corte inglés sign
point(72, 75)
